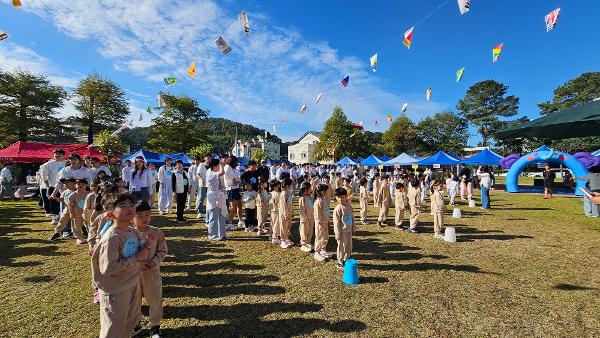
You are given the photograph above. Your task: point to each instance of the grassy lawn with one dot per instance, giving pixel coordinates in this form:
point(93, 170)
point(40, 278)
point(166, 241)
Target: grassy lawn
point(528, 267)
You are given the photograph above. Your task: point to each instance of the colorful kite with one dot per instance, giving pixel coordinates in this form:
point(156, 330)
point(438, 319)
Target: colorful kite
point(389, 117)
point(496, 52)
point(464, 6)
point(551, 19)
point(345, 81)
point(3, 36)
point(223, 46)
point(149, 109)
point(428, 93)
point(405, 107)
point(16, 3)
point(141, 117)
point(408, 37)
point(374, 62)
point(303, 108)
point(376, 122)
point(319, 98)
point(244, 22)
point(161, 101)
point(170, 81)
point(459, 74)
point(192, 70)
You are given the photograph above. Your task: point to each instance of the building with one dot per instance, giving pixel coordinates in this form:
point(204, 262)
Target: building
point(303, 150)
point(245, 148)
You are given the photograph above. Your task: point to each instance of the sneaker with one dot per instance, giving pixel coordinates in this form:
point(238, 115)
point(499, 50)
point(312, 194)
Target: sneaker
point(54, 237)
point(199, 215)
point(397, 227)
point(137, 329)
point(160, 212)
point(340, 265)
point(79, 242)
point(414, 231)
point(155, 331)
point(305, 248)
point(96, 297)
point(249, 229)
point(284, 245)
point(275, 241)
point(326, 254)
point(318, 257)
point(290, 243)
point(438, 236)
point(229, 227)
point(227, 235)
point(259, 233)
point(54, 221)
point(364, 222)
point(67, 234)
point(241, 224)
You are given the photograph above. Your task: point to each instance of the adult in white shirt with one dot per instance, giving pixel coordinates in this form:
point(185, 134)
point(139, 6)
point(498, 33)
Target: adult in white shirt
point(216, 205)
point(49, 171)
point(165, 190)
point(75, 170)
point(485, 183)
point(126, 173)
point(232, 182)
point(193, 182)
point(97, 167)
point(154, 178)
point(273, 172)
point(6, 182)
point(282, 170)
point(202, 183)
point(141, 181)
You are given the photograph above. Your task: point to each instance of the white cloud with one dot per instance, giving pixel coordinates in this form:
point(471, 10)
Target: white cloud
point(269, 74)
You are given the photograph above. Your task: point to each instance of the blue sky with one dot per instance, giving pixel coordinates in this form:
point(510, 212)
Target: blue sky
point(298, 49)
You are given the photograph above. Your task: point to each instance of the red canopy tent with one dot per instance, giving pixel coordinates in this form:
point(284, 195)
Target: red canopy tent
point(34, 152)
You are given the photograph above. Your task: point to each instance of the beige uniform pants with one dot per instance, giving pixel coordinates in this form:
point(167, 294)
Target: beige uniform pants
point(275, 229)
point(76, 225)
point(438, 222)
point(262, 214)
point(364, 209)
point(321, 236)
point(286, 227)
point(414, 217)
point(344, 248)
point(306, 231)
point(383, 212)
point(399, 216)
point(119, 313)
point(151, 285)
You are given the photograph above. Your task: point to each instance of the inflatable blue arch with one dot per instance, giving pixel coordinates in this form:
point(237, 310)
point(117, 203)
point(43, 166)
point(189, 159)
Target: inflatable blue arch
point(546, 155)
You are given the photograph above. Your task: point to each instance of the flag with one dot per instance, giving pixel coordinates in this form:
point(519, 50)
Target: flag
point(373, 60)
point(303, 108)
point(496, 52)
point(459, 74)
point(319, 98)
point(3, 36)
point(408, 37)
point(141, 117)
point(389, 117)
point(266, 134)
point(192, 70)
point(345, 81)
point(375, 122)
point(161, 102)
point(170, 81)
point(223, 46)
point(16, 3)
point(404, 107)
point(149, 109)
point(463, 6)
point(244, 22)
point(428, 93)
point(273, 128)
point(551, 19)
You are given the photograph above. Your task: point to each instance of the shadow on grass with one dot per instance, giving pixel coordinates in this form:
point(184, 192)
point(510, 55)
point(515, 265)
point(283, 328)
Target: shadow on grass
point(422, 267)
point(571, 287)
point(39, 279)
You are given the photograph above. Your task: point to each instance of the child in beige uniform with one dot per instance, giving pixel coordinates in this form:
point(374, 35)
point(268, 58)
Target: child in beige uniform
point(414, 201)
point(343, 226)
point(383, 199)
point(90, 204)
point(150, 280)
point(116, 270)
point(376, 187)
point(437, 208)
point(321, 217)
point(65, 216)
point(274, 206)
point(364, 200)
point(306, 206)
point(76, 207)
point(286, 212)
point(401, 202)
point(262, 207)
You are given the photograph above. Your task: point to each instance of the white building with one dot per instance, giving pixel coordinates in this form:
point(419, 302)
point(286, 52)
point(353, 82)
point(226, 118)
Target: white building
point(303, 151)
point(245, 148)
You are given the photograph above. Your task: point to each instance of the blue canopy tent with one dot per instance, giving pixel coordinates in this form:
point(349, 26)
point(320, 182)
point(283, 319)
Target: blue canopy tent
point(440, 158)
point(416, 156)
point(402, 159)
point(243, 160)
point(384, 158)
point(345, 161)
point(358, 159)
point(484, 157)
point(371, 160)
point(596, 153)
point(158, 159)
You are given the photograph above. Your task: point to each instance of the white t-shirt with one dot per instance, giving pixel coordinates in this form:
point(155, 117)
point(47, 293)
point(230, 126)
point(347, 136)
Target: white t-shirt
point(126, 174)
point(232, 178)
point(484, 179)
point(201, 175)
point(212, 180)
point(50, 171)
point(281, 171)
point(193, 169)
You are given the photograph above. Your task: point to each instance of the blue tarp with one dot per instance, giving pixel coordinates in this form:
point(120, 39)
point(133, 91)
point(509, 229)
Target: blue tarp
point(345, 161)
point(158, 159)
point(440, 158)
point(484, 157)
point(402, 159)
point(371, 160)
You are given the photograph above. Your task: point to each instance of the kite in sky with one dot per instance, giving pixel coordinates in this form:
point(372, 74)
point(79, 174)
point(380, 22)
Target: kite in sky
point(161, 102)
point(244, 22)
point(223, 46)
point(141, 117)
point(303, 108)
point(3, 36)
point(551, 19)
point(389, 117)
point(192, 70)
point(404, 107)
point(459, 74)
point(16, 3)
point(345, 81)
point(319, 98)
point(464, 6)
point(374, 62)
point(149, 109)
point(274, 128)
point(408, 37)
point(170, 81)
point(376, 122)
point(428, 93)
point(496, 52)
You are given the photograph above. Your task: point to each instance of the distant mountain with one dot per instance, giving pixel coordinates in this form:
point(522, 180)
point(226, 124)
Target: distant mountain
point(221, 133)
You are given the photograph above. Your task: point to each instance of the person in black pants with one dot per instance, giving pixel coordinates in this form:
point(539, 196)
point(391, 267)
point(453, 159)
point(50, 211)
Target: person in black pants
point(549, 177)
point(181, 185)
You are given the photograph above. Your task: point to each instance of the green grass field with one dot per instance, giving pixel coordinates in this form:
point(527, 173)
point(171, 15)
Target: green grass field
point(527, 267)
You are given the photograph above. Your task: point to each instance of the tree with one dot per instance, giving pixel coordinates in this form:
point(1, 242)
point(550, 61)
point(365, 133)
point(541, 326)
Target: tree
point(259, 155)
point(483, 105)
point(28, 106)
point(443, 131)
point(584, 88)
point(200, 150)
point(101, 104)
point(221, 132)
point(110, 146)
point(513, 145)
point(178, 127)
point(336, 140)
point(136, 138)
point(400, 137)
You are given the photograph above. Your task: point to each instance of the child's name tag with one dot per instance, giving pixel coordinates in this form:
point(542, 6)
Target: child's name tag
point(130, 247)
point(81, 204)
point(310, 202)
point(185, 181)
point(169, 172)
point(105, 227)
point(348, 219)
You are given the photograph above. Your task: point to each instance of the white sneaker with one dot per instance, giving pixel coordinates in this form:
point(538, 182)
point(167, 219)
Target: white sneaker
point(318, 257)
point(439, 236)
point(199, 215)
point(326, 254)
point(229, 227)
point(241, 224)
point(275, 241)
point(54, 222)
point(305, 248)
point(284, 245)
point(79, 242)
point(160, 212)
point(250, 229)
